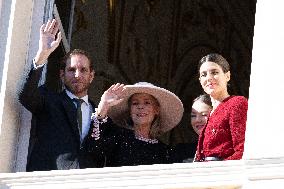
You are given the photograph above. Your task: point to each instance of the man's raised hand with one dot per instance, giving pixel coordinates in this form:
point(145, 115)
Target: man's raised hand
point(49, 40)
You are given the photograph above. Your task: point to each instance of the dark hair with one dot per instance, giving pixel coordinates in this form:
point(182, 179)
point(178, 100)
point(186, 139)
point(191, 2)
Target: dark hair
point(68, 56)
point(216, 58)
point(205, 98)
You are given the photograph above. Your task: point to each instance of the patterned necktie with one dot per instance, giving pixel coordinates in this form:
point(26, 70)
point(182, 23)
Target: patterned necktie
point(79, 113)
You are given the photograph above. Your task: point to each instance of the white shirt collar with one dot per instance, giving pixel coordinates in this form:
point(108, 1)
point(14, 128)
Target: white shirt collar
point(71, 95)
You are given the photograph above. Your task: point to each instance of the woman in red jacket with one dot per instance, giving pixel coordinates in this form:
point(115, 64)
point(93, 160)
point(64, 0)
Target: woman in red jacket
point(223, 136)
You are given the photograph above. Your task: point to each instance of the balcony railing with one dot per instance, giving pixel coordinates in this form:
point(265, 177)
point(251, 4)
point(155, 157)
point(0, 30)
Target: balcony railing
point(255, 174)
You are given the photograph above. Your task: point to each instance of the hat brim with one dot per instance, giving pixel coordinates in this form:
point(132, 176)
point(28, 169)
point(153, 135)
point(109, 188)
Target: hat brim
point(171, 107)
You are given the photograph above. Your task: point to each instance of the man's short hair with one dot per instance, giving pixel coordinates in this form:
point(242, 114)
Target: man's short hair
point(73, 52)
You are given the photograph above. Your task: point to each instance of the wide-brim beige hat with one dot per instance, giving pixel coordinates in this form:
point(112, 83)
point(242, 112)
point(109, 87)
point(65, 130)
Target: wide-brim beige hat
point(171, 107)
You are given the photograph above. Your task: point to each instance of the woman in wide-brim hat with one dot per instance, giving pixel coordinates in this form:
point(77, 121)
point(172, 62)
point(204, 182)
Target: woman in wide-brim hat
point(143, 112)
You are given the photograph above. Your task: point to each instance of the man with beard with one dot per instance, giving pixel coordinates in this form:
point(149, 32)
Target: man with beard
point(61, 122)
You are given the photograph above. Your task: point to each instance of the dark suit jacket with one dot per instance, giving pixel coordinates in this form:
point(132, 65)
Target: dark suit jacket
point(57, 143)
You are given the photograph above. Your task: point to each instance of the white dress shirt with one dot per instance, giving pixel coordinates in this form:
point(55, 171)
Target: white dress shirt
point(87, 110)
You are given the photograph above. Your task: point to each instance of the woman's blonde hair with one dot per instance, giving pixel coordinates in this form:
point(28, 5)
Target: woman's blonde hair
point(155, 130)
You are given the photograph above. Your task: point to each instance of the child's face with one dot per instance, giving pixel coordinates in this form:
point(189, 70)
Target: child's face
point(199, 115)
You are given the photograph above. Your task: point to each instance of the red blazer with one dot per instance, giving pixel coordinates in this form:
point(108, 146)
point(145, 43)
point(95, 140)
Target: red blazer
point(224, 134)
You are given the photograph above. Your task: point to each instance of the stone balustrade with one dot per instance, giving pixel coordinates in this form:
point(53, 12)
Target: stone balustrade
point(252, 174)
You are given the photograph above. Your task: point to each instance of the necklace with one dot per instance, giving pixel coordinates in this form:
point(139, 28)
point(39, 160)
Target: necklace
point(148, 140)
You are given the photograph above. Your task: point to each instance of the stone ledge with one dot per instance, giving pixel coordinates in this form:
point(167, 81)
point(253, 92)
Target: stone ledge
point(254, 173)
